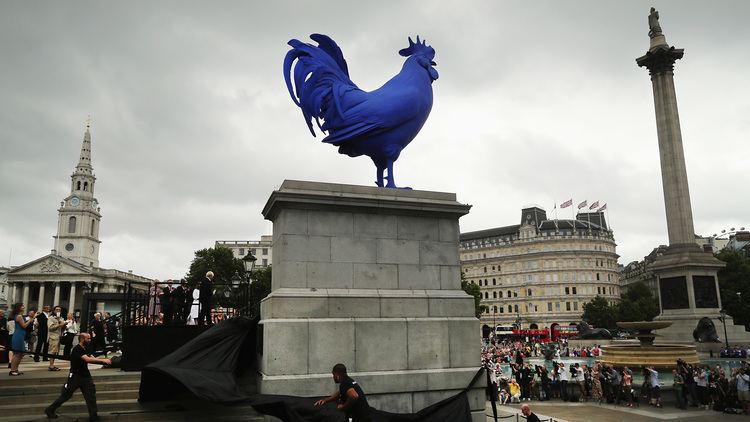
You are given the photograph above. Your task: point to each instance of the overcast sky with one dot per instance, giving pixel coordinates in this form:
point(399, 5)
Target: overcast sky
point(537, 102)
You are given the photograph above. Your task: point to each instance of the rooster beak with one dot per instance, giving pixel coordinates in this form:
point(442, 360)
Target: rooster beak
point(433, 63)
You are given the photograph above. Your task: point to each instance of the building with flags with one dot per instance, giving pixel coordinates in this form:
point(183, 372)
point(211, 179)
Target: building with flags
point(539, 273)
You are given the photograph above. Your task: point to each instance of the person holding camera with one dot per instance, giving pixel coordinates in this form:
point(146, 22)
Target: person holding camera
point(71, 331)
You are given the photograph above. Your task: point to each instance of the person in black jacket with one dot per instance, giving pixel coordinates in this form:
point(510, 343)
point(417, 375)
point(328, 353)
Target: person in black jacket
point(42, 343)
point(206, 299)
point(351, 398)
point(179, 296)
point(530, 416)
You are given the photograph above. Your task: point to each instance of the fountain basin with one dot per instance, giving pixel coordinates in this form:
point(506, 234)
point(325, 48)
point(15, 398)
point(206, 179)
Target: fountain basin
point(647, 353)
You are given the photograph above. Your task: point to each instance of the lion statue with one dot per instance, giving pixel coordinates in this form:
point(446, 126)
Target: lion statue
point(585, 332)
point(705, 332)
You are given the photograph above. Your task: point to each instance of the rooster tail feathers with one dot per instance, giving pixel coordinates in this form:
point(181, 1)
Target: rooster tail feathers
point(328, 45)
point(320, 76)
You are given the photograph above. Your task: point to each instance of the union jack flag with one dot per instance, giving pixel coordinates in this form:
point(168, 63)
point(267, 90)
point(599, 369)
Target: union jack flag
point(582, 205)
point(594, 205)
point(567, 203)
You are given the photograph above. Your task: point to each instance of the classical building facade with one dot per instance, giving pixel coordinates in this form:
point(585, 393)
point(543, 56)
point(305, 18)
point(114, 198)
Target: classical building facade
point(72, 269)
point(262, 249)
point(541, 272)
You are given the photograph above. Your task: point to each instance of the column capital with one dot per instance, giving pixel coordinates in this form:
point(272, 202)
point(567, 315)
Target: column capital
point(660, 60)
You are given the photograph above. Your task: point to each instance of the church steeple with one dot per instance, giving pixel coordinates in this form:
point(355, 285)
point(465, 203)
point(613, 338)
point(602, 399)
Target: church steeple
point(78, 223)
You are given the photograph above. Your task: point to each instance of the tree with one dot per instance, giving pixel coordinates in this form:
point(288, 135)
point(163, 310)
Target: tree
point(599, 313)
point(473, 290)
point(219, 260)
point(637, 304)
point(733, 279)
point(259, 289)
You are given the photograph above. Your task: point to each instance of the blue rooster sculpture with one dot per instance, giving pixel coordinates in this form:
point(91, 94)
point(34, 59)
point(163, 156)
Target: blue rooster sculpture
point(378, 124)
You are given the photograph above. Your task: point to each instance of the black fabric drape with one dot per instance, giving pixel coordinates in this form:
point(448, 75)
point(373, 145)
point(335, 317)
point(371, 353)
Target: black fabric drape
point(209, 365)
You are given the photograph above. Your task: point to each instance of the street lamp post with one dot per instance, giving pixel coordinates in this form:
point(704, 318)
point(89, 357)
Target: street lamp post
point(723, 319)
point(249, 263)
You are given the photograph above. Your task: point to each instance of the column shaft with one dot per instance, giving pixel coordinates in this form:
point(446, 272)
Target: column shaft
point(673, 170)
point(25, 299)
point(71, 306)
point(40, 300)
point(56, 298)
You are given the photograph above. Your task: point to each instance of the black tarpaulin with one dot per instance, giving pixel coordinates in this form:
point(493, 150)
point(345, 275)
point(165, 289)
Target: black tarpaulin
point(209, 365)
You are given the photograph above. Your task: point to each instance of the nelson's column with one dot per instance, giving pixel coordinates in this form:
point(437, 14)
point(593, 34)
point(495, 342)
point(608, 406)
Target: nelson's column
point(686, 274)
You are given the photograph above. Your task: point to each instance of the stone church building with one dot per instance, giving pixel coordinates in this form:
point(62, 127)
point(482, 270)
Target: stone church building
point(72, 268)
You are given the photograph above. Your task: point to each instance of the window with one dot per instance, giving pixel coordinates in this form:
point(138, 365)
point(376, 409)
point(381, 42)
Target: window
point(501, 294)
point(567, 306)
point(557, 306)
point(494, 282)
point(265, 262)
point(494, 309)
point(516, 308)
point(486, 295)
point(72, 225)
point(502, 309)
point(509, 294)
point(567, 290)
point(597, 277)
point(598, 290)
point(79, 185)
point(85, 185)
point(265, 251)
point(575, 306)
point(242, 251)
point(485, 269)
point(515, 294)
point(510, 309)
point(252, 251)
point(494, 296)
point(528, 292)
point(93, 225)
point(574, 290)
point(549, 306)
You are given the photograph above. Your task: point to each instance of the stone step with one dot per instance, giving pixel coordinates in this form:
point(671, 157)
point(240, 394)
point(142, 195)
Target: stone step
point(54, 388)
point(101, 395)
point(131, 410)
point(51, 378)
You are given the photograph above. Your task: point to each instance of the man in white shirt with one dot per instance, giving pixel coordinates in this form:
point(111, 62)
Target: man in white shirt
point(655, 386)
point(564, 378)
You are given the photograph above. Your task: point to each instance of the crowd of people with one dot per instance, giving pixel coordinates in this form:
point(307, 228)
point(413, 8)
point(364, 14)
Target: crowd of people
point(693, 385)
point(49, 334)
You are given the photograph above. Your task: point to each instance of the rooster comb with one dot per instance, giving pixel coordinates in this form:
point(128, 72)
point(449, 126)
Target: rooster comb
point(415, 48)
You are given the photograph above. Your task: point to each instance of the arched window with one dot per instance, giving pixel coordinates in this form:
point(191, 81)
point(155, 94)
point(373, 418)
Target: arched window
point(495, 309)
point(516, 308)
point(79, 185)
point(86, 186)
point(93, 224)
point(501, 294)
point(72, 225)
point(509, 294)
point(510, 309)
point(494, 295)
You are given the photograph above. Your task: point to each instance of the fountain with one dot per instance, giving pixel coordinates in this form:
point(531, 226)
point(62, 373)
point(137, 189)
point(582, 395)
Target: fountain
point(647, 353)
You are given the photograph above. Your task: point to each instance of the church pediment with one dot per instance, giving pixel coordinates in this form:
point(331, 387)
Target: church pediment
point(51, 265)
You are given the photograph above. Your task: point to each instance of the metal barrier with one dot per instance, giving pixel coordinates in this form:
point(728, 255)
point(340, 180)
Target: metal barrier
point(519, 417)
point(171, 304)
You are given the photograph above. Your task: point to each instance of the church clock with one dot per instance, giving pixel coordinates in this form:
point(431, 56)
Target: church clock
point(74, 201)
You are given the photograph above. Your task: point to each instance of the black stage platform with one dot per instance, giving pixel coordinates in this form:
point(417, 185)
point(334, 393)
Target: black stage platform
point(144, 344)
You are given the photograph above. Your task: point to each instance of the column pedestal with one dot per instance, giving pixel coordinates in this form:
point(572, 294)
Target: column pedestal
point(368, 277)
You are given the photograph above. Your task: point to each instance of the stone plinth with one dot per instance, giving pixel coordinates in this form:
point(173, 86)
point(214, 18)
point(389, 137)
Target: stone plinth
point(368, 277)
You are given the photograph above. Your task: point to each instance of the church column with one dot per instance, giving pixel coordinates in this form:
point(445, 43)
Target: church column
point(40, 300)
point(25, 299)
point(56, 299)
point(71, 307)
point(12, 296)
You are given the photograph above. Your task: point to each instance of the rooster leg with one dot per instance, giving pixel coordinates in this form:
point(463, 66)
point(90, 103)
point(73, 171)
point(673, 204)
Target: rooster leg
point(379, 174)
point(389, 178)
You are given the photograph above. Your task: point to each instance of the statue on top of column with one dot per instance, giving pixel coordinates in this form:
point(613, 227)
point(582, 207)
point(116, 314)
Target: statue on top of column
point(653, 24)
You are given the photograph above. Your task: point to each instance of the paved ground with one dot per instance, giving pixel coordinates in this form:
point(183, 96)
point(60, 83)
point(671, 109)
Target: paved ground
point(586, 412)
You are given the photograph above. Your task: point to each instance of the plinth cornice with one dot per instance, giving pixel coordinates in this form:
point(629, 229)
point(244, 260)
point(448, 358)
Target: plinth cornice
point(317, 195)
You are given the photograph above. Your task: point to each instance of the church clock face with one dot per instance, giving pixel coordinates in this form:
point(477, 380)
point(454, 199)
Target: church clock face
point(69, 247)
point(74, 201)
